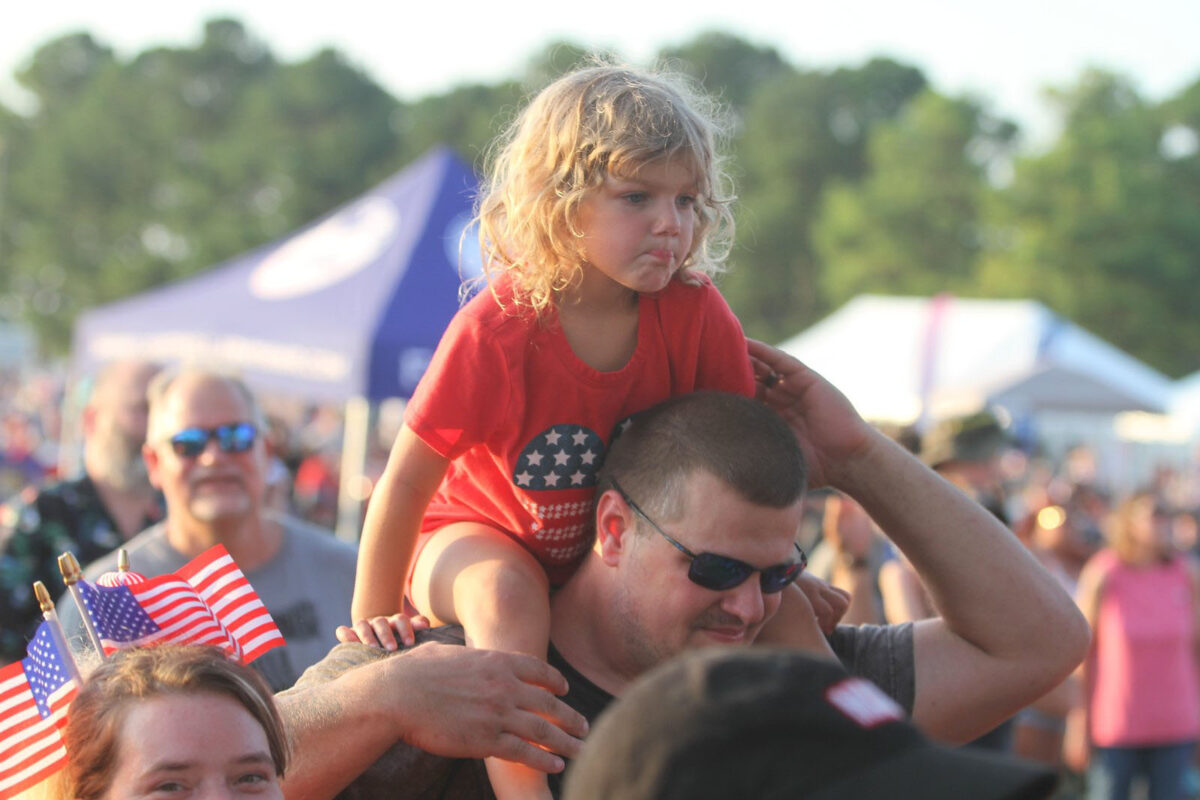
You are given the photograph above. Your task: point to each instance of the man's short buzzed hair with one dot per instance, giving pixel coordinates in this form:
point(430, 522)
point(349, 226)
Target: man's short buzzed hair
point(116, 373)
point(157, 392)
point(734, 438)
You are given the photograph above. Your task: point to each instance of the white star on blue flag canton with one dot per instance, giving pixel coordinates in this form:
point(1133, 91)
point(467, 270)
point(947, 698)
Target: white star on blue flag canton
point(116, 614)
point(560, 457)
point(45, 669)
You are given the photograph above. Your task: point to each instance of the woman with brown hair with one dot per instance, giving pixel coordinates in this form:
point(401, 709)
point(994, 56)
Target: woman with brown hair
point(178, 721)
point(1141, 715)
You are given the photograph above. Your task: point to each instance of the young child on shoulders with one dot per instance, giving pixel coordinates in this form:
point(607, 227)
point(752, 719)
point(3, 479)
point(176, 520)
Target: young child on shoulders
point(605, 213)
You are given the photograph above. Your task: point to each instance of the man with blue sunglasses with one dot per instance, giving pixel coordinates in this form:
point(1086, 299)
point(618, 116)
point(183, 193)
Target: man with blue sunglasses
point(699, 503)
point(205, 451)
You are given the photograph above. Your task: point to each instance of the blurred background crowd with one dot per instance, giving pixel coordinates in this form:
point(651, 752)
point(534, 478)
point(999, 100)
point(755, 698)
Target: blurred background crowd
point(858, 180)
point(305, 440)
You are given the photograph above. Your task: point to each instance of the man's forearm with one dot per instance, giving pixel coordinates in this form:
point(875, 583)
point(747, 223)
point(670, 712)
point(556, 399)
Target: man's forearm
point(1008, 631)
point(337, 730)
point(974, 568)
point(1022, 629)
point(442, 700)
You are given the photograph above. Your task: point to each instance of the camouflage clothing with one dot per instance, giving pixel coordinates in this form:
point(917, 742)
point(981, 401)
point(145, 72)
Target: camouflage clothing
point(35, 529)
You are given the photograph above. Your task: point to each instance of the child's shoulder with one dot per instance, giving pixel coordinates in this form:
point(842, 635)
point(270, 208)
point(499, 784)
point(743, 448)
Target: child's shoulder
point(688, 288)
point(691, 290)
point(494, 307)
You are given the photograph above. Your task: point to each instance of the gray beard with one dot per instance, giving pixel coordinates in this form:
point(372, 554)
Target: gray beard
point(120, 464)
point(127, 474)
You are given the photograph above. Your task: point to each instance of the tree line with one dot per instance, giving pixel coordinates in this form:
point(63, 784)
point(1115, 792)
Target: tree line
point(127, 174)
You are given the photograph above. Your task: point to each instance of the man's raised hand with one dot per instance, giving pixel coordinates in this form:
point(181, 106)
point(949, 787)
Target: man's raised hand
point(831, 433)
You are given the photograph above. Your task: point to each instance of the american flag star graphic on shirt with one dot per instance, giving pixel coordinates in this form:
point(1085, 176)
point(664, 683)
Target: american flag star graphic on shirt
point(560, 457)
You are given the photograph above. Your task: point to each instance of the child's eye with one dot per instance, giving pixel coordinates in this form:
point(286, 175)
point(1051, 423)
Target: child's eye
point(252, 777)
point(253, 782)
point(635, 198)
point(169, 787)
point(685, 201)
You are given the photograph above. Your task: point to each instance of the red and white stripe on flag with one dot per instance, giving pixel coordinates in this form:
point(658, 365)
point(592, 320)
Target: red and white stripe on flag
point(233, 601)
point(31, 747)
point(175, 613)
point(209, 601)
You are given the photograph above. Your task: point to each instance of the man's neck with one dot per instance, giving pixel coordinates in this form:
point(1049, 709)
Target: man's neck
point(128, 508)
point(584, 635)
point(250, 540)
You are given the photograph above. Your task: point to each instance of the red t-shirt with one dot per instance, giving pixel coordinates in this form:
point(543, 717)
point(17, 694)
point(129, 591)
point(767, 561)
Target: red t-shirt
point(526, 423)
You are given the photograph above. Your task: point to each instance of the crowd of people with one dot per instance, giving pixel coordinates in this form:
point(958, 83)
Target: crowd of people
point(1129, 559)
point(634, 518)
point(212, 483)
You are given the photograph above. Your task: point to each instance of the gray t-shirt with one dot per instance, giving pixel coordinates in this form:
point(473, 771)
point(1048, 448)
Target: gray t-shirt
point(882, 654)
point(307, 587)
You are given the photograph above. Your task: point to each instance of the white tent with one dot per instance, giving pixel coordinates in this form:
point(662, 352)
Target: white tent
point(1185, 401)
point(913, 359)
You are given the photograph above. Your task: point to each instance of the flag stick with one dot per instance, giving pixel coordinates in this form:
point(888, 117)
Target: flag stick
point(56, 631)
point(71, 573)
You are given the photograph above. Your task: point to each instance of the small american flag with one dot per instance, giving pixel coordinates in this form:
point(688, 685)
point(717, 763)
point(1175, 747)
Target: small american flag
point(34, 695)
point(209, 601)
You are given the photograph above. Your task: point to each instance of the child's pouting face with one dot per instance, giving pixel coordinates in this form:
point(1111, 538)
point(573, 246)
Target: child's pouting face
point(637, 230)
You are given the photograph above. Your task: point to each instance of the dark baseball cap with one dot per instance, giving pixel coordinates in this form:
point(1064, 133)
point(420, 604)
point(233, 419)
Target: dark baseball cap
point(767, 723)
point(976, 437)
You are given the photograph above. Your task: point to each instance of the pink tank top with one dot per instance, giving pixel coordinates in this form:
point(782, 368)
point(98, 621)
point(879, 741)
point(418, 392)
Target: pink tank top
point(1145, 682)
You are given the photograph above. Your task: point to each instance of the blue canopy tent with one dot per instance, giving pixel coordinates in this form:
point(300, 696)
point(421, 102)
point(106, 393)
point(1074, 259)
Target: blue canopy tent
point(350, 306)
point(348, 309)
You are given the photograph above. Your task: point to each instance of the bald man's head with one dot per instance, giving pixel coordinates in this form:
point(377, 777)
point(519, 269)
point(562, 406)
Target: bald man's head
point(114, 424)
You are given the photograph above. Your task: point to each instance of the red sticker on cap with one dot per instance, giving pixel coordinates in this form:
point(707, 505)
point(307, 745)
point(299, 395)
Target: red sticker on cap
point(863, 702)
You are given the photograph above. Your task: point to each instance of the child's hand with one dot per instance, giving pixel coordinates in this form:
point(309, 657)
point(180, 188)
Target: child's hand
point(829, 602)
point(383, 631)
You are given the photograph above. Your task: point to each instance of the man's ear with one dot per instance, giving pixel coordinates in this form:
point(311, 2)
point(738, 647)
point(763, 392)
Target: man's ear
point(614, 523)
point(150, 456)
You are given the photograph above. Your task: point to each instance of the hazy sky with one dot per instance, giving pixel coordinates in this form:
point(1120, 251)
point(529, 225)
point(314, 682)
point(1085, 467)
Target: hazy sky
point(1004, 52)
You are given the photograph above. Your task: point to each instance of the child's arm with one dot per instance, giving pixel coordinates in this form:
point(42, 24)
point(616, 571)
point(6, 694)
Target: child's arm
point(413, 473)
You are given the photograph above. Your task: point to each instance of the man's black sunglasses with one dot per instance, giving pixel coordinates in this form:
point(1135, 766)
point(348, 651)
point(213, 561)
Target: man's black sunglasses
point(719, 572)
point(236, 437)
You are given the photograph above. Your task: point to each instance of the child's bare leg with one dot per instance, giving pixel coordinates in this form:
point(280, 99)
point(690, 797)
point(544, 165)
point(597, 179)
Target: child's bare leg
point(795, 625)
point(479, 577)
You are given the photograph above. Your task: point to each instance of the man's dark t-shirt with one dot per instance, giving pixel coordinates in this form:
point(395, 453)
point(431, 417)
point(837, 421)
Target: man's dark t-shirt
point(882, 654)
point(35, 529)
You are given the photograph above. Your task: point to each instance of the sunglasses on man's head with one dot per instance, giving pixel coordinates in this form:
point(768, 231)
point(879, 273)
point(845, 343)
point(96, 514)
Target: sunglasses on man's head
point(720, 573)
point(236, 437)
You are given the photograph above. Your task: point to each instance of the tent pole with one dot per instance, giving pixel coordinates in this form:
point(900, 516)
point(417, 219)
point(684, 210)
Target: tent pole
point(356, 427)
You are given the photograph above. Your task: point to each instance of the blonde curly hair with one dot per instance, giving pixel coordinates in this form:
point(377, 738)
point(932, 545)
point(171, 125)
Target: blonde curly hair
point(594, 122)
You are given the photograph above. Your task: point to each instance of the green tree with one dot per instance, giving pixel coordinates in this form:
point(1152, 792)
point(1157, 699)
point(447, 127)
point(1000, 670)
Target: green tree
point(726, 66)
point(64, 68)
point(466, 118)
point(912, 225)
point(801, 131)
point(557, 58)
point(1103, 228)
point(129, 174)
